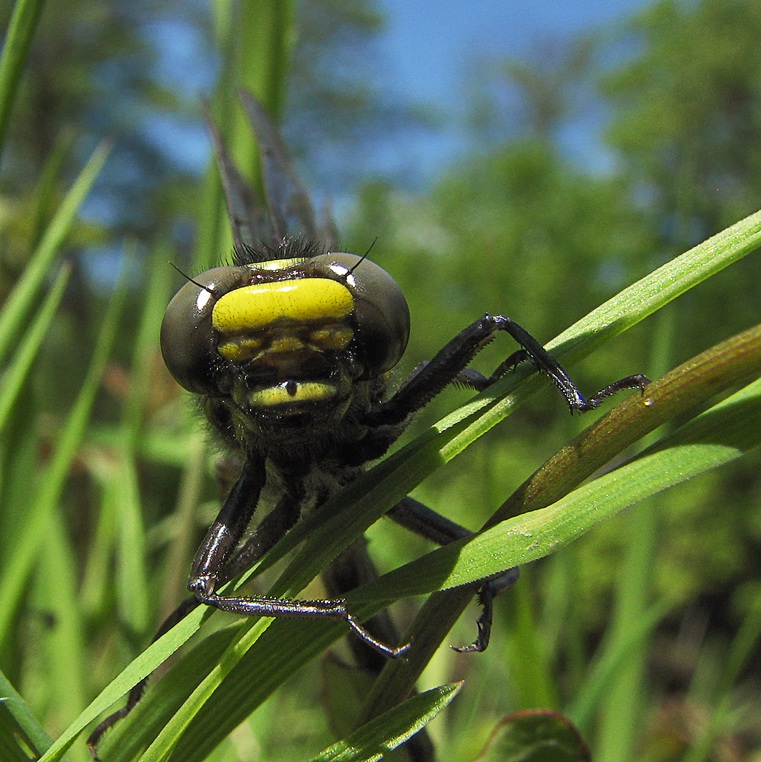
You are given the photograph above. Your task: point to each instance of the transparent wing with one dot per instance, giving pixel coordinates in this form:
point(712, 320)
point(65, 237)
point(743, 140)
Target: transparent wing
point(248, 215)
point(290, 209)
point(286, 211)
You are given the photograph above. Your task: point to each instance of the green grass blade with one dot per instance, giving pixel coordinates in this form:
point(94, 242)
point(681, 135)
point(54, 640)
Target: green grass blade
point(21, 562)
point(142, 666)
point(26, 14)
point(727, 431)
point(257, 40)
point(14, 746)
point(156, 297)
point(619, 716)
point(63, 644)
point(19, 722)
point(163, 746)
point(670, 281)
point(531, 672)
point(269, 31)
point(29, 345)
point(264, 38)
point(619, 313)
point(585, 704)
point(256, 669)
point(47, 189)
point(370, 742)
point(21, 301)
point(132, 586)
point(732, 362)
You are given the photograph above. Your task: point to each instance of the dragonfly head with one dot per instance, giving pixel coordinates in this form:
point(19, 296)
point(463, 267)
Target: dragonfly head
point(288, 336)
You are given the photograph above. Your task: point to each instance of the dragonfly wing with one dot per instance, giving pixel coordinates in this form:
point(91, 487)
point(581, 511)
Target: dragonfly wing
point(249, 217)
point(290, 209)
point(328, 230)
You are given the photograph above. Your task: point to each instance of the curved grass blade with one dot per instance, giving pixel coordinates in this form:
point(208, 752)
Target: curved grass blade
point(719, 368)
point(370, 742)
point(723, 433)
point(18, 722)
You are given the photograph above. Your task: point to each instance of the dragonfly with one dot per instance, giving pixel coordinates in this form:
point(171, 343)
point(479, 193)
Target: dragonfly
point(291, 350)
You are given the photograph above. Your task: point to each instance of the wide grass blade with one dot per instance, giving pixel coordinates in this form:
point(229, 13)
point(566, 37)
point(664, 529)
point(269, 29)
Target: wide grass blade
point(732, 362)
point(63, 645)
point(727, 431)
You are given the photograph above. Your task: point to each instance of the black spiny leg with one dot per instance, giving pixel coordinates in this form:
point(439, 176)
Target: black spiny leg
point(217, 552)
point(450, 364)
point(221, 557)
point(423, 521)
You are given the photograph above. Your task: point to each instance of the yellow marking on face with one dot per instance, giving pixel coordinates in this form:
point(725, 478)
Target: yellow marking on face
point(241, 349)
point(309, 391)
point(331, 338)
point(298, 301)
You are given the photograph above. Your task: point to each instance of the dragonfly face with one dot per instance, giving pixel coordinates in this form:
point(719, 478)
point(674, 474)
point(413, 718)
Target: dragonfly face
point(287, 347)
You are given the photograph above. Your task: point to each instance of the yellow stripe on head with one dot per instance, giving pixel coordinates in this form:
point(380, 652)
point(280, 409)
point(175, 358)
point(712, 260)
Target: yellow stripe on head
point(301, 300)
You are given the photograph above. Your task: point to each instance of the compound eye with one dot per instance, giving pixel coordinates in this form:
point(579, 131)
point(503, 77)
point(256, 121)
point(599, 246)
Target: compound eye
point(187, 336)
point(380, 308)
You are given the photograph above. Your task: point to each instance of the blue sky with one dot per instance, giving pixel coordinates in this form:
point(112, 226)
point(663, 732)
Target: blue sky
point(426, 53)
point(427, 44)
point(427, 47)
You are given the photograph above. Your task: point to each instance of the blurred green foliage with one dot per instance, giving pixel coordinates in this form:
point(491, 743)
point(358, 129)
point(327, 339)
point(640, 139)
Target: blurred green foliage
point(517, 226)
